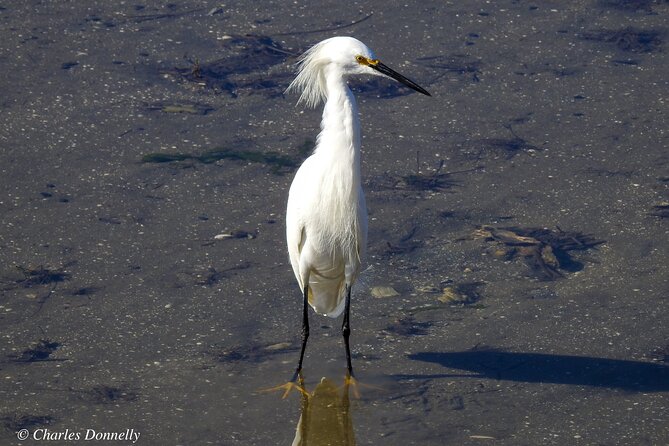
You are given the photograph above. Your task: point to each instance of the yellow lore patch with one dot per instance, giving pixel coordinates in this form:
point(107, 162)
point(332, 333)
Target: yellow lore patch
point(362, 60)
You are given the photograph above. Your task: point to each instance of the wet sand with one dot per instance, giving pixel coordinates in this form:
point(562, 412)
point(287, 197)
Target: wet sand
point(134, 134)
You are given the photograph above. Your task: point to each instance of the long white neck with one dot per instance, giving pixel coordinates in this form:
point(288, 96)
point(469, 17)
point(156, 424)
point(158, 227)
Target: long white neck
point(339, 139)
point(339, 186)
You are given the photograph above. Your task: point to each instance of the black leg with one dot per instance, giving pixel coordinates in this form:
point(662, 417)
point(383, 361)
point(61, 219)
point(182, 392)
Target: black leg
point(305, 330)
point(346, 329)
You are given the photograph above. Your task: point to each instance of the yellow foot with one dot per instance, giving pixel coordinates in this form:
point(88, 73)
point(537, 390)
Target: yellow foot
point(287, 387)
point(354, 384)
point(350, 381)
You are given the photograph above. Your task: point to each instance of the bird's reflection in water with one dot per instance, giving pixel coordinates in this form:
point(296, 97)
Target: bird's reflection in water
point(325, 416)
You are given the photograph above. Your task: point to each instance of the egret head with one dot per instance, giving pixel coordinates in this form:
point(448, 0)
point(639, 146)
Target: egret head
point(348, 56)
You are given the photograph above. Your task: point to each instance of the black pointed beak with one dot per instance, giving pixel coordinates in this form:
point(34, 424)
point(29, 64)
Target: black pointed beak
point(383, 69)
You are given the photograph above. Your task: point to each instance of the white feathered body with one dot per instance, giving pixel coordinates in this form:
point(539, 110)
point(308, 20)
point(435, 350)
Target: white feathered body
point(326, 217)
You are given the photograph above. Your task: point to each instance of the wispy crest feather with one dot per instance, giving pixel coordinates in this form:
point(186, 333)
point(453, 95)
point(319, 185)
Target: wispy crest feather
point(310, 79)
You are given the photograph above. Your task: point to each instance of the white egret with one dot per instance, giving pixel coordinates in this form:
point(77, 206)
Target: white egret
point(326, 218)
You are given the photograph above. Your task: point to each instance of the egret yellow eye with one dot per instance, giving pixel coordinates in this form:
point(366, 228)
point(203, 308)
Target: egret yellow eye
point(361, 59)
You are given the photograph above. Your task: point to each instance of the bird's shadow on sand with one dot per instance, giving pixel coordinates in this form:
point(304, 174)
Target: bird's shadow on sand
point(634, 376)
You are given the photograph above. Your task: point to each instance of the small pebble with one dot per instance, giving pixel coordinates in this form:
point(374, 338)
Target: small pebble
point(449, 295)
point(384, 291)
point(279, 346)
